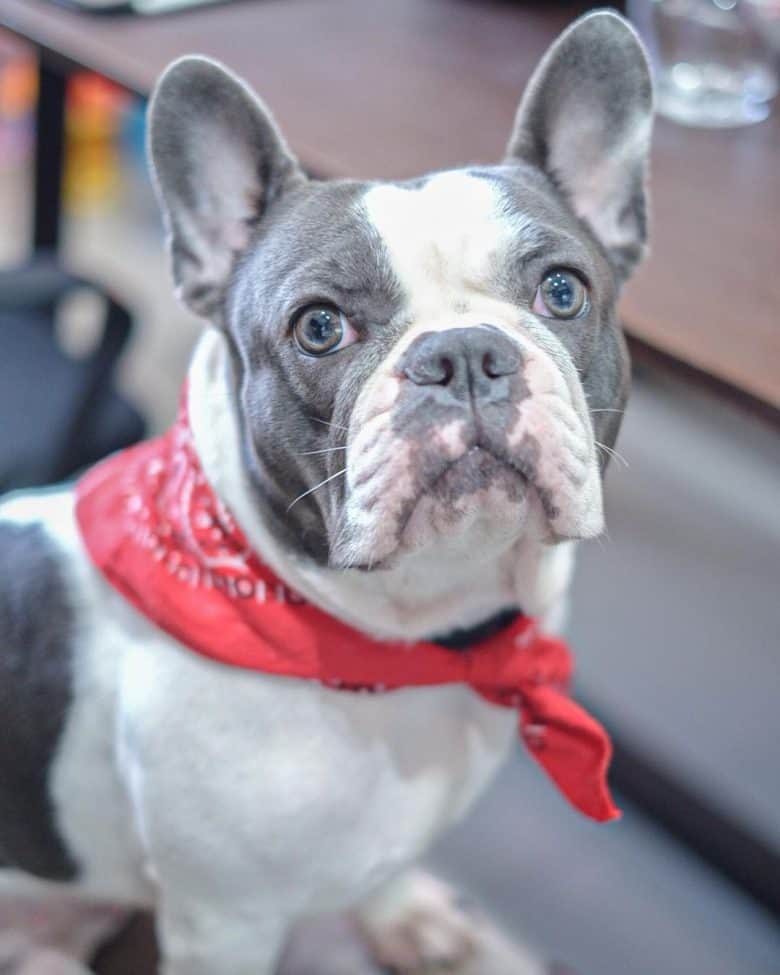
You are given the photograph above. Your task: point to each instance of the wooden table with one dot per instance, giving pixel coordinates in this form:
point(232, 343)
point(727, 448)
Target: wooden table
point(370, 88)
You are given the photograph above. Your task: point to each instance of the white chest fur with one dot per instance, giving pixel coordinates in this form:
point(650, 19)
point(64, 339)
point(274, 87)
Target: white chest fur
point(319, 791)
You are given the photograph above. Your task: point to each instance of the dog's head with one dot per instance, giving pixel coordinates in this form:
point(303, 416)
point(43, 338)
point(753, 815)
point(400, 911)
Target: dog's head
point(415, 362)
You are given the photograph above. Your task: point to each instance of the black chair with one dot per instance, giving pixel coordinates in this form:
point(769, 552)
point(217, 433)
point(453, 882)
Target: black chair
point(58, 413)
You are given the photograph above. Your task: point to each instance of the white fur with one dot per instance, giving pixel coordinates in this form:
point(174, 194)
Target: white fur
point(445, 240)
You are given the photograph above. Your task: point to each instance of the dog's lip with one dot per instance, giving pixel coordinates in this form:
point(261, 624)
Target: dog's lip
point(429, 488)
point(478, 448)
point(475, 450)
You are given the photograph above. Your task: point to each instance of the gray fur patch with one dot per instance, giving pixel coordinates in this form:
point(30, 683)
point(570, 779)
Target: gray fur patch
point(294, 409)
point(36, 623)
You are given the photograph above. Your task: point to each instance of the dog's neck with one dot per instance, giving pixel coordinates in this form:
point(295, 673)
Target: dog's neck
point(433, 592)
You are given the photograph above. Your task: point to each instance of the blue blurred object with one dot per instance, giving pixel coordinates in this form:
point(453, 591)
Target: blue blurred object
point(60, 413)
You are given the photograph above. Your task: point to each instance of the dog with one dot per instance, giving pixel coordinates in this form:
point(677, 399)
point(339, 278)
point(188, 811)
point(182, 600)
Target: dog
point(404, 405)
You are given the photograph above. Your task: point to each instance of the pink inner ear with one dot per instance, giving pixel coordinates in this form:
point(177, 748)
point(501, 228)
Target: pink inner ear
point(230, 190)
point(599, 185)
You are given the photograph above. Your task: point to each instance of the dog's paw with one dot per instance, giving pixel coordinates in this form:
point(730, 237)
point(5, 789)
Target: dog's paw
point(46, 962)
point(417, 926)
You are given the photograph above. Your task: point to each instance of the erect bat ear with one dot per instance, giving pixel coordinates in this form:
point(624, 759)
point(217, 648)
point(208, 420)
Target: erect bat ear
point(585, 120)
point(219, 162)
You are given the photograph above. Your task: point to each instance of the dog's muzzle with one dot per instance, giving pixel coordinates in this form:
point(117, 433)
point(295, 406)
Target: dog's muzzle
point(465, 435)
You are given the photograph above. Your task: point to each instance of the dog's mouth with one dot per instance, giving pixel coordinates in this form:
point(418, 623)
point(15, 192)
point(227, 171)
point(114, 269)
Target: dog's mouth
point(478, 469)
point(478, 485)
point(469, 502)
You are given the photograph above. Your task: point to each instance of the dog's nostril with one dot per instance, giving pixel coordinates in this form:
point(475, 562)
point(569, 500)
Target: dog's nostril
point(489, 366)
point(457, 357)
point(446, 370)
point(504, 364)
point(436, 370)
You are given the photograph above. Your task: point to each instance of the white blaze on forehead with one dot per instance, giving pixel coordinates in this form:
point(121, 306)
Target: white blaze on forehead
point(444, 238)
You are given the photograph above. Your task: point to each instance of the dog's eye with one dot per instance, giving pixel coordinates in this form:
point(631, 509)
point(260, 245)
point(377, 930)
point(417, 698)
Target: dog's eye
point(560, 295)
point(321, 329)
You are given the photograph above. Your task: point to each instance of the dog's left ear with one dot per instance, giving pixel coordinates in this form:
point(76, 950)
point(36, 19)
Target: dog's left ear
point(585, 120)
point(219, 162)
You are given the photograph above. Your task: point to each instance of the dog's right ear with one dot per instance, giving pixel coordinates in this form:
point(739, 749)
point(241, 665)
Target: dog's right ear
point(219, 161)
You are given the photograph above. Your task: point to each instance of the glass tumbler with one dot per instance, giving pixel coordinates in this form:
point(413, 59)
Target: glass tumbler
point(713, 63)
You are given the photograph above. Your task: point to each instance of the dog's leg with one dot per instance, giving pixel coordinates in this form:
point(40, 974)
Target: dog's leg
point(418, 923)
point(219, 937)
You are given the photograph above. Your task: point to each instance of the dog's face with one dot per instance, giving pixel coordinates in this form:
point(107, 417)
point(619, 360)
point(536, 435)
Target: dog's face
point(423, 361)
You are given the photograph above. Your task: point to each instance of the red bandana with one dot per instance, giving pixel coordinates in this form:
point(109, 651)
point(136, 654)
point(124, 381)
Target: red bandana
point(159, 534)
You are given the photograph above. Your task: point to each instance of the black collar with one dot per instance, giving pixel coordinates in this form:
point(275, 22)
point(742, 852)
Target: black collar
point(465, 639)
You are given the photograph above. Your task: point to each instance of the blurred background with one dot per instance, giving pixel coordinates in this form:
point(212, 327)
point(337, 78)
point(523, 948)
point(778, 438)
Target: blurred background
point(675, 616)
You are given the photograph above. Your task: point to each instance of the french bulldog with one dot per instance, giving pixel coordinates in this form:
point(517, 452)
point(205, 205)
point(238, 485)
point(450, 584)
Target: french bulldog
point(405, 399)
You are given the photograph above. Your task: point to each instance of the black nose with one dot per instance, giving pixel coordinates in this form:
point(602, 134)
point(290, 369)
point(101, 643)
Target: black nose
point(467, 360)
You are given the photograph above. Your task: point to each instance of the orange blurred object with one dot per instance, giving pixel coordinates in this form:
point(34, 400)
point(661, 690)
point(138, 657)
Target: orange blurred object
point(93, 115)
point(18, 91)
point(18, 87)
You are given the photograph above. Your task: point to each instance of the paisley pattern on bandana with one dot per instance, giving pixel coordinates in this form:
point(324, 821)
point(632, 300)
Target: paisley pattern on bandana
point(172, 513)
point(154, 527)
